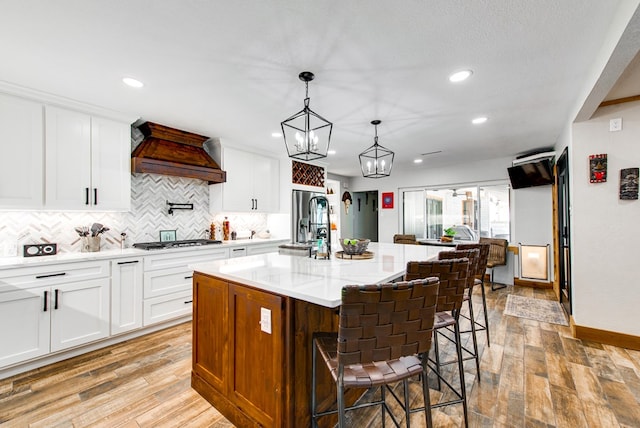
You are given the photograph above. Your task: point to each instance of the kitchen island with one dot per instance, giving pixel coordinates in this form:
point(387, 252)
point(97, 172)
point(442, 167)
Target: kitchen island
point(253, 318)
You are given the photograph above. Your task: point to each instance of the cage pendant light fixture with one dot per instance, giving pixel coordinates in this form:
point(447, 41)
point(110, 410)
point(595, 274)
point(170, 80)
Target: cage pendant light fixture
point(376, 161)
point(306, 133)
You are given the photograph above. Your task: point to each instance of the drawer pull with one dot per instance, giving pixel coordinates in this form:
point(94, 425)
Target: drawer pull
point(46, 293)
point(238, 249)
point(50, 275)
point(129, 262)
point(188, 301)
point(188, 277)
point(55, 303)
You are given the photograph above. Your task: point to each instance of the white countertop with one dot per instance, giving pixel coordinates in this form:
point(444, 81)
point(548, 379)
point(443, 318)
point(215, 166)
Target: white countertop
point(318, 281)
point(13, 262)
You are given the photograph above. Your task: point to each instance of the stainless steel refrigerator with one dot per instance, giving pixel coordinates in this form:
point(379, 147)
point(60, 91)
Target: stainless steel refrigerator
point(309, 217)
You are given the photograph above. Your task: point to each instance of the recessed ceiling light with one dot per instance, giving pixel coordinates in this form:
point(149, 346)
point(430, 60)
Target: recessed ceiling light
point(276, 134)
point(479, 120)
point(417, 161)
point(331, 152)
point(129, 81)
point(459, 76)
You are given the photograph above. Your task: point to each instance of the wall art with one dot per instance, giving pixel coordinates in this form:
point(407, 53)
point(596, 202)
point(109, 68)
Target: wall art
point(629, 183)
point(387, 200)
point(598, 168)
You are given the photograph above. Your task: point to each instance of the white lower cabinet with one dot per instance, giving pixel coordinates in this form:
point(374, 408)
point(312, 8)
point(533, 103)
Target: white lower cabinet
point(168, 283)
point(163, 308)
point(80, 313)
point(24, 325)
point(238, 252)
point(126, 294)
point(262, 248)
point(47, 309)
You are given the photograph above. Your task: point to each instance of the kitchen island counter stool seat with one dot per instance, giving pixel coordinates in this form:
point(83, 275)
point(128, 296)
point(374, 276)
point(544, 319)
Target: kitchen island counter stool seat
point(473, 255)
point(479, 281)
point(382, 330)
point(453, 275)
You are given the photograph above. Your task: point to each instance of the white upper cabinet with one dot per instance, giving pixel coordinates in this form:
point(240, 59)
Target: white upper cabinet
point(253, 184)
point(21, 144)
point(87, 162)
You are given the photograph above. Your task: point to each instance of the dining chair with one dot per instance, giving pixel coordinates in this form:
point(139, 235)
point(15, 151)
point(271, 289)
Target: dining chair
point(453, 275)
point(404, 239)
point(382, 331)
point(497, 257)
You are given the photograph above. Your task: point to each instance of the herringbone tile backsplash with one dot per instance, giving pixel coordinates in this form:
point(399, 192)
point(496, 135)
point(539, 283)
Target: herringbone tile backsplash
point(148, 215)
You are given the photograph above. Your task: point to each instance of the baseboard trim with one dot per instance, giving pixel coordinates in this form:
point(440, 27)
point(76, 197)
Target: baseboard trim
point(532, 284)
point(606, 337)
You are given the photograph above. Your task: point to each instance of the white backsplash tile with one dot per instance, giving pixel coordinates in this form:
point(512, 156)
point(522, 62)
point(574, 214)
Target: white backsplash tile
point(148, 215)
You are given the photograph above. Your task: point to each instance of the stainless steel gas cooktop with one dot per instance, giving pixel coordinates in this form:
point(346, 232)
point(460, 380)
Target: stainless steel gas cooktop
point(175, 244)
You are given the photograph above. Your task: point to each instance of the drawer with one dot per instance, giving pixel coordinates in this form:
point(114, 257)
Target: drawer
point(37, 276)
point(183, 259)
point(167, 307)
point(167, 281)
point(262, 249)
point(238, 252)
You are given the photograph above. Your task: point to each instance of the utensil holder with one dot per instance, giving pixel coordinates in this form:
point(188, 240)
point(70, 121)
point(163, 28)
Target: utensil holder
point(90, 244)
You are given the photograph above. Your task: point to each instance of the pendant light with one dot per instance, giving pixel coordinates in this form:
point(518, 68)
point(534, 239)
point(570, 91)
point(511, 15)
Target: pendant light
point(306, 133)
point(376, 161)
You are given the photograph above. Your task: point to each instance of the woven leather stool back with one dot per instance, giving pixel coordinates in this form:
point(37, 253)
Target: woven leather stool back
point(473, 256)
point(453, 276)
point(385, 322)
point(482, 260)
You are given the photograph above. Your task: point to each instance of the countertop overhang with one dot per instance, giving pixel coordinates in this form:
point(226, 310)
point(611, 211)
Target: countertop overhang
point(318, 281)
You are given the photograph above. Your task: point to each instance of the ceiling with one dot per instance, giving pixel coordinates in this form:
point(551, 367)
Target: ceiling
point(230, 69)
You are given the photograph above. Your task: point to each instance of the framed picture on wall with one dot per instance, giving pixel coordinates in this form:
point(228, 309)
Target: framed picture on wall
point(387, 200)
point(629, 183)
point(598, 168)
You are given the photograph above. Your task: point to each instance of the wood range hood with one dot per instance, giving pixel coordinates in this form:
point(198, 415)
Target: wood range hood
point(170, 151)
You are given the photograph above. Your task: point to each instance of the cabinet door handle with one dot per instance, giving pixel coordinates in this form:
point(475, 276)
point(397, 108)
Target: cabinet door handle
point(46, 294)
point(188, 277)
point(55, 299)
point(256, 204)
point(95, 196)
point(50, 275)
point(129, 262)
point(188, 301)
point(86, 196)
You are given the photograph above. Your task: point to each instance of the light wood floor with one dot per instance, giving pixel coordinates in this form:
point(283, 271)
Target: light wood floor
point(534, 374)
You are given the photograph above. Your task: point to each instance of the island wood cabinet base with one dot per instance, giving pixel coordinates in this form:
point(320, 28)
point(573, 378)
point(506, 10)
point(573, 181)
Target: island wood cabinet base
point(252, 377)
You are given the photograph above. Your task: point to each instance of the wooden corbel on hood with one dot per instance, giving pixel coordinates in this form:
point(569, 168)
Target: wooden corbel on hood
point(170, 151)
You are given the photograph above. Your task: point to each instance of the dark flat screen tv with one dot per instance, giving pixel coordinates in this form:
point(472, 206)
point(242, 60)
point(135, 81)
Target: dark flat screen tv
point(530, 174)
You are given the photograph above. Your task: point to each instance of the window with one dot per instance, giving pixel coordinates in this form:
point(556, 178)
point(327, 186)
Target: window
point(471, 210)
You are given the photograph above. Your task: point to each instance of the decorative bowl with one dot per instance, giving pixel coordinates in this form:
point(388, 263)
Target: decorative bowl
point(354, 246)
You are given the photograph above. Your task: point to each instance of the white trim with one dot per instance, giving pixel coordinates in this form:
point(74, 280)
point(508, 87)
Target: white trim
point(59, 101)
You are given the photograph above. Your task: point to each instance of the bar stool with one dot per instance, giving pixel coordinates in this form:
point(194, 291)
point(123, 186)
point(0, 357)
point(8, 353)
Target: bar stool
point(473, 255)
point(453, 275)
point(479, 280)
point(382, 330)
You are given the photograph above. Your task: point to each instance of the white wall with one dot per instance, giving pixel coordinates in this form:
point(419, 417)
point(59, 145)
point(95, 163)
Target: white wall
point(605, 232)
point(532, 219)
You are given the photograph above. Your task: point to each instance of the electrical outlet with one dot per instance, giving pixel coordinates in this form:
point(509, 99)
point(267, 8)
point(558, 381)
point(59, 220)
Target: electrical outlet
point(265, 320)
point(615, 124)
